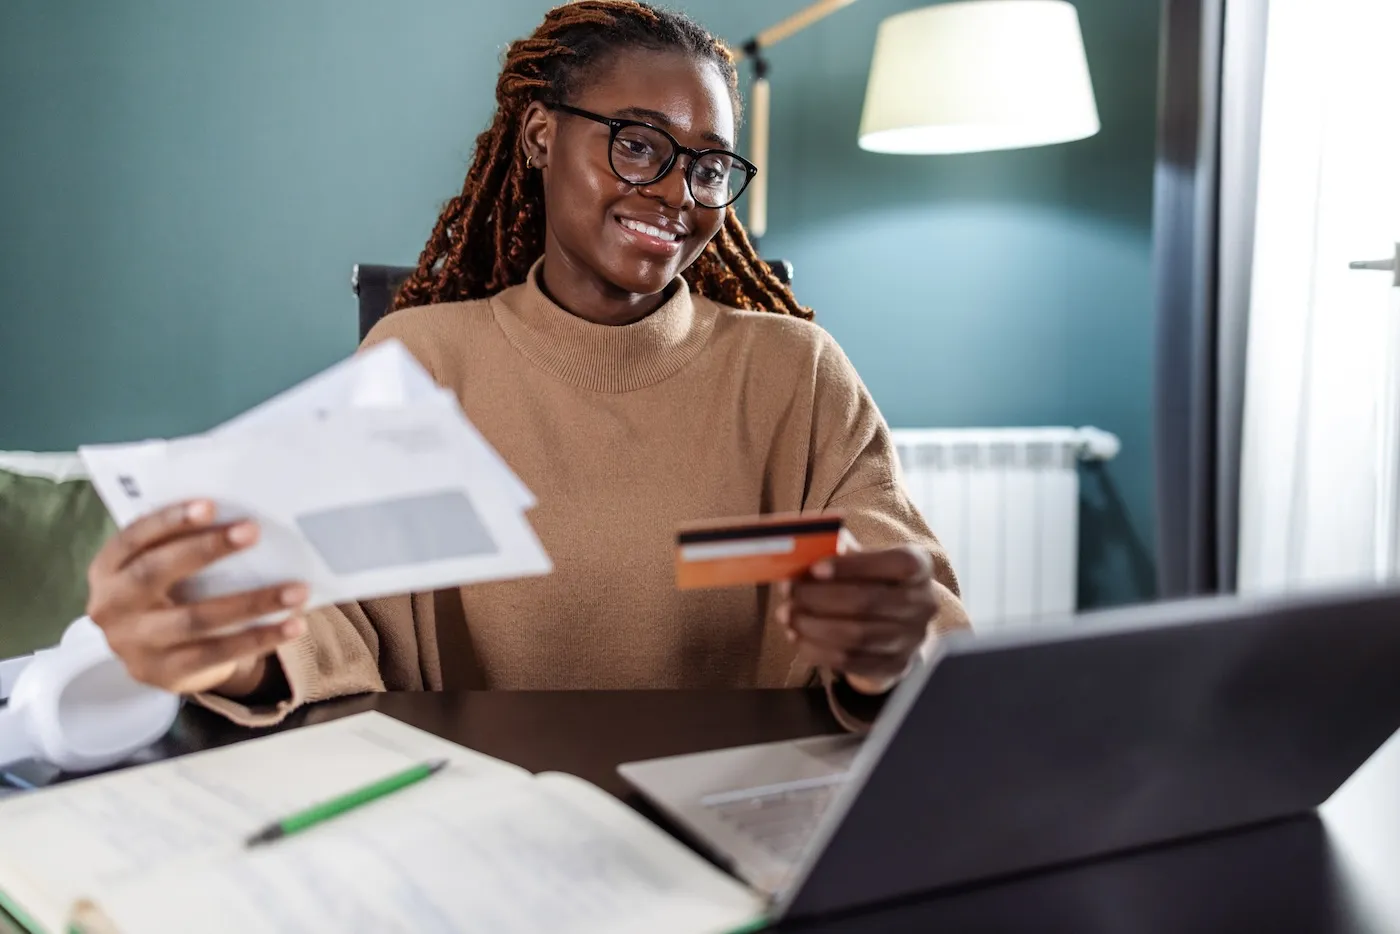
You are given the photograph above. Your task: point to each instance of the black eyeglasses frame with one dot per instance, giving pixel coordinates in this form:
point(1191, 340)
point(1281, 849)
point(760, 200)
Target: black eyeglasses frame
point(616, 125)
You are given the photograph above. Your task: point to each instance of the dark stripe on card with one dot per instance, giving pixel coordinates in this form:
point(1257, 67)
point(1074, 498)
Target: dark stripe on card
point(810, 527)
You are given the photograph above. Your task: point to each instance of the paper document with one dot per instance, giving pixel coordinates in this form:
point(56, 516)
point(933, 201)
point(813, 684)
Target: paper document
point(384, 377)
point(70, 840)
point(366, 480)
point(454, 854)
point(480, 846)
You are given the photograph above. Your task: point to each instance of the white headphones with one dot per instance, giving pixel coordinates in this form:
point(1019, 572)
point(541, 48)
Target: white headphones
point(76, 707)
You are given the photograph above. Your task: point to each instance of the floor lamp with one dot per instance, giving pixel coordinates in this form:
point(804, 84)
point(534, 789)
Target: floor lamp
point(969, 76)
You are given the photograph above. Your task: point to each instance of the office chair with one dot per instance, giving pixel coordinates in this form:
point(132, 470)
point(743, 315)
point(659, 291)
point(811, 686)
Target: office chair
point(375, 286)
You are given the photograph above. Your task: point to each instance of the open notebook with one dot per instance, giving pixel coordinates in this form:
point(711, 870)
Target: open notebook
point(482, 846)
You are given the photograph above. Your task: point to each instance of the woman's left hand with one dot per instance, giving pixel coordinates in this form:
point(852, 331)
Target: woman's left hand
point(863, 614)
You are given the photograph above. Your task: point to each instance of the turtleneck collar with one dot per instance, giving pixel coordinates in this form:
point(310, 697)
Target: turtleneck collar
point(601, 357)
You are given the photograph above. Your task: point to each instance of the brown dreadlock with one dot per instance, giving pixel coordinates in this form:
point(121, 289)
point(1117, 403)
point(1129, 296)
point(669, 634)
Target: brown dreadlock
point(488, 236)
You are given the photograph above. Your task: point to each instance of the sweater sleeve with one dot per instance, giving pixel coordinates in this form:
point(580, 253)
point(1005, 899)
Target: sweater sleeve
point(854, 470)
point(339, 654)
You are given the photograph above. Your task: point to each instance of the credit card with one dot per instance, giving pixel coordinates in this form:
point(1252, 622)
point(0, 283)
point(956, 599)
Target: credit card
point(758, 550)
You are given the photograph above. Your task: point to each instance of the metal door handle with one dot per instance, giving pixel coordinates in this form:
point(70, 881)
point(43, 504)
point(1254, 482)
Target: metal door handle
point(1383, 265)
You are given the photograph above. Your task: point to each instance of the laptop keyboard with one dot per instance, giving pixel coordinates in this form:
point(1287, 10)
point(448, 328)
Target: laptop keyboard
point(780, 818)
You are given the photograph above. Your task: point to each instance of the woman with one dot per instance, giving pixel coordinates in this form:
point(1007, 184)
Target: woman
point(597, 307)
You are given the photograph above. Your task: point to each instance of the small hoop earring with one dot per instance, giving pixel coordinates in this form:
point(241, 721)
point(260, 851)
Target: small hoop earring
point(529, 162)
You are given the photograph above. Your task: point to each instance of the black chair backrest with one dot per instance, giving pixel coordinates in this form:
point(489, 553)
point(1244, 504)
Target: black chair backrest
point(375, 286)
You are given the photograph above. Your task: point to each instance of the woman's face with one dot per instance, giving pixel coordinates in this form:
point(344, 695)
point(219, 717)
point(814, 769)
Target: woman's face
point(588, 209)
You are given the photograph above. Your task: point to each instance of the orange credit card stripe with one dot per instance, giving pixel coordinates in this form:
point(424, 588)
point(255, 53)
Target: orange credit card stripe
point(781, 552)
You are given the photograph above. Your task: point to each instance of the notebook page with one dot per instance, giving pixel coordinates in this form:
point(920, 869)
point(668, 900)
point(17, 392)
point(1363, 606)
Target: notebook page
point(57, 844)
point(450, 855)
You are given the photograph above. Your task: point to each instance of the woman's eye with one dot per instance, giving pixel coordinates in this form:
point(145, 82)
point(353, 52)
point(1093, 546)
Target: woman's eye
point(634, 147)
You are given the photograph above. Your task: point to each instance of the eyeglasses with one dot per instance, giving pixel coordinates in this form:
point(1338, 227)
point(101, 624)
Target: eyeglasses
point(642, 154)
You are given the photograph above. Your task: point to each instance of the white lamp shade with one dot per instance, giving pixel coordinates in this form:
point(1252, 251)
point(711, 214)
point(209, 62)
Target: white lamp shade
point(978, 75)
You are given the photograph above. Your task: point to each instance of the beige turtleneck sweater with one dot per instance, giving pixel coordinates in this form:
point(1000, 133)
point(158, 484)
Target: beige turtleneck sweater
point(697, 411)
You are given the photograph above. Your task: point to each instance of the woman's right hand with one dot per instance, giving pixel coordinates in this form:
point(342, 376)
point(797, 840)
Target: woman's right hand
point(186, 648)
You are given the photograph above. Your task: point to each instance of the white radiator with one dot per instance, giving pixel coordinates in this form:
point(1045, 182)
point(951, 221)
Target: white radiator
point(1005, 503)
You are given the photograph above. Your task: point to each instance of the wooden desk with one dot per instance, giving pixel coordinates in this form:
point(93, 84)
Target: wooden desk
point(1336, 875)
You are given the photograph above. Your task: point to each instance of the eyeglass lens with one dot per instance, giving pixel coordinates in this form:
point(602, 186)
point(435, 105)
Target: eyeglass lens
point(640, 156)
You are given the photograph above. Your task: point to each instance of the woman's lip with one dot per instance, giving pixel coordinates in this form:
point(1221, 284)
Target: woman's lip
point(650, 243)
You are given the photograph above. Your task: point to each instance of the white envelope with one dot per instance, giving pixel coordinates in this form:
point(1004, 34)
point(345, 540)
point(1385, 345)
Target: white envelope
point(358, 493)
point(385, 376)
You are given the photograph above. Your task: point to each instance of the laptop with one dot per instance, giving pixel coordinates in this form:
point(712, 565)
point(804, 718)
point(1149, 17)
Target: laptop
point(1034, 747)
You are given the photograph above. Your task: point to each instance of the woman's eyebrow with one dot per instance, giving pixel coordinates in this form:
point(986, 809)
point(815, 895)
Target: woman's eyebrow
point(656, 116)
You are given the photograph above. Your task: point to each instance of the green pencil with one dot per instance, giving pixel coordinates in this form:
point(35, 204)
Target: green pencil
point(346, 802)
point(758, 924)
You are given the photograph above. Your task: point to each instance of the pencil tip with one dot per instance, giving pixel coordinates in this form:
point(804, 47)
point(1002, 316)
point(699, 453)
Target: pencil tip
point(437, 765)
point(266, 835)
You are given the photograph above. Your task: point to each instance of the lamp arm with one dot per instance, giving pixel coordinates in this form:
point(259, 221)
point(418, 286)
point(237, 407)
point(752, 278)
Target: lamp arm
point(790, 26)
point(762, 100)
point(758, 153)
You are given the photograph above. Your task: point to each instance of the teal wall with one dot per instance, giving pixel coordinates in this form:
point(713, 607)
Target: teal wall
point(184, 187)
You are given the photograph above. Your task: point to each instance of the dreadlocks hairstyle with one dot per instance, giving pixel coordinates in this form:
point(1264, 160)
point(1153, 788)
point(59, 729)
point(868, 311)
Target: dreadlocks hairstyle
point(490, 234)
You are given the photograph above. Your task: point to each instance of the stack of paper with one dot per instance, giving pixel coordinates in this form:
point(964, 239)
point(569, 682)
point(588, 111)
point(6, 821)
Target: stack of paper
point(481, 846)
point(366, 480)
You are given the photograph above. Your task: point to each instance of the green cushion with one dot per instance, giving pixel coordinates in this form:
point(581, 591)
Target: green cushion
point(49, 532)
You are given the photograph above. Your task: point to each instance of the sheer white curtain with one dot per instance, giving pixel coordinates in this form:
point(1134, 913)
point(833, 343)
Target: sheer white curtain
point(1322, 385)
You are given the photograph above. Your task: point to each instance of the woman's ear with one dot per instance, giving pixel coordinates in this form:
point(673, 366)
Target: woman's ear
point(537, 134)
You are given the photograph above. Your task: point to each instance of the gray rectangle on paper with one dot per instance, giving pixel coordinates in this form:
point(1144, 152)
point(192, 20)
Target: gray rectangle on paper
point(391, 533)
